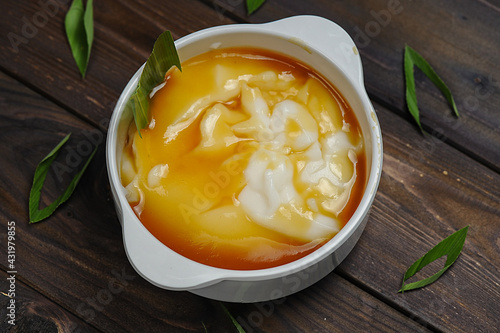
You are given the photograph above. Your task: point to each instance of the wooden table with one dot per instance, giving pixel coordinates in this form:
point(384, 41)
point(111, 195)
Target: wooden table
point(72, 271)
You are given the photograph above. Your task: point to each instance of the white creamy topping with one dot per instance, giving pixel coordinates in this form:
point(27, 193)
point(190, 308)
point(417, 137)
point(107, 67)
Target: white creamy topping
point(270, 197)
point(297, 181)
point(270, 184)
point(156, 174)
point(295, 124)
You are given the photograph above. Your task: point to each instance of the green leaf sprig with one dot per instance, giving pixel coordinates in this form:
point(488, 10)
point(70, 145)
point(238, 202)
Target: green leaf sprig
point(37, 214)
point(163, 57)
point(411, 59)
point(450, 247)
point(79, 24)
point(253, 5)
point(235, 322)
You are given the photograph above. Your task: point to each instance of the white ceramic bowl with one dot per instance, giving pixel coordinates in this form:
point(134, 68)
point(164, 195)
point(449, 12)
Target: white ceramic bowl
point(327, 48)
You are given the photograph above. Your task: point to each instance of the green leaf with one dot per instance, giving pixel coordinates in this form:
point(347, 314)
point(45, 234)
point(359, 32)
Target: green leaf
point(450, 247)
point(79, 24)
point(253, 5)
point(412, 58)
point(161, 60)
point(36, 214)
point(235, 322)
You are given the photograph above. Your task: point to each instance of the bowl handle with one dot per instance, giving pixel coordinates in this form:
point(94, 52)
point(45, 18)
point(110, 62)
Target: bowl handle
point(147, 260)
point(333, 42)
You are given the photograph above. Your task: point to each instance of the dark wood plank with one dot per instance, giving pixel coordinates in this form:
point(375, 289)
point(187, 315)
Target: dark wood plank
point(125, 32)
point(411, 213)
point(460, 39)
point(429, 190)
point(32, 312)
point(77, 259)
point(331, 305)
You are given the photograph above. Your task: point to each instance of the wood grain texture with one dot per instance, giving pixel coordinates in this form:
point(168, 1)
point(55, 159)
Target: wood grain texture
point(35, 313)
point(331, 305)
point(429, 188)
point(124, 35)
point(460, 40)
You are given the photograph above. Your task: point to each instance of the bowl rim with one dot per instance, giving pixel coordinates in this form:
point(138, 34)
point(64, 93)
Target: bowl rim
point(355, 78)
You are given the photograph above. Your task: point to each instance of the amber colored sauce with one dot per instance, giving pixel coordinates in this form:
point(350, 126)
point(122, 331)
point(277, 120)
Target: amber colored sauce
point(171, 221)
